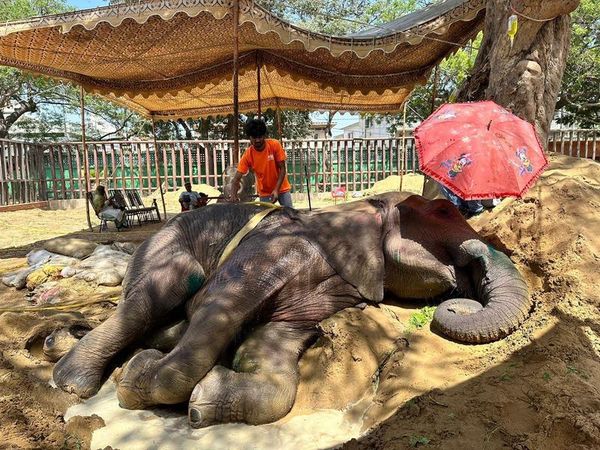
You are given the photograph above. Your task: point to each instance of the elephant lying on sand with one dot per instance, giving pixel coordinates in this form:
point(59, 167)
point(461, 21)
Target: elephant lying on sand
point(293, 270)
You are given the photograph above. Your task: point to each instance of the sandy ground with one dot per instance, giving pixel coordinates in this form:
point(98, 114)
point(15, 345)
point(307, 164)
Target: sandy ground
point(377, 378)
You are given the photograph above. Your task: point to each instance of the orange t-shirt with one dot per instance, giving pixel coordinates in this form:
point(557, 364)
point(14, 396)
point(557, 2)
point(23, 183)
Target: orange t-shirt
point(264, 164)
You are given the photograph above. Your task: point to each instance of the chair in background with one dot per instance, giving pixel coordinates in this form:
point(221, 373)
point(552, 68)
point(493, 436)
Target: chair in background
point(103, 222)
point(146, 213)
point(134, 207)
point(339, 193)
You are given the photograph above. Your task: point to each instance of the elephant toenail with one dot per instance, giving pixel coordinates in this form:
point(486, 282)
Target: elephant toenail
point(195, 417)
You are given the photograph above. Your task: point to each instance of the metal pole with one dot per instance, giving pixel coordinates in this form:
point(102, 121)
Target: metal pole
point(403, 144)
point(258, 85)
point(307, 187)
point(236, 25)
point(157, 168)
point(278, 117)
point(86, 167)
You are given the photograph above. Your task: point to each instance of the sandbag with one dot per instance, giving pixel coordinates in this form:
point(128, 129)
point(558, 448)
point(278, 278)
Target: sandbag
point(76, 248)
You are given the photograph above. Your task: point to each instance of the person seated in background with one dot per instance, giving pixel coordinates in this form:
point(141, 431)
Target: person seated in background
point(202, 200)
point(188, 199)
point(106, 208)
point(468, 208)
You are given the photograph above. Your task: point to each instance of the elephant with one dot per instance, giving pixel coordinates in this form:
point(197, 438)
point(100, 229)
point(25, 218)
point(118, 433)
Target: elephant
point(261, 300)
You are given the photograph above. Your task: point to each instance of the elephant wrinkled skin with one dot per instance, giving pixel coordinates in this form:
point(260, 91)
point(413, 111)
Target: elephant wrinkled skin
point(293, 270)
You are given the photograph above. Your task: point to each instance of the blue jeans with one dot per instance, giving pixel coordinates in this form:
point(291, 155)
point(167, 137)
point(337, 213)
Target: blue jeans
point(285, 199)
point(471, 207)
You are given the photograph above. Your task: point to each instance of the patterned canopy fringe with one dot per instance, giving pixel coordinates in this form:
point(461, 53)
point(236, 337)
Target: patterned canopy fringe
point(172, 58)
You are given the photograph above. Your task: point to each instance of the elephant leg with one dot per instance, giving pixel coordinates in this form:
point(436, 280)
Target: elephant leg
point(236, 294)
point(146, 301)
point(261, 388)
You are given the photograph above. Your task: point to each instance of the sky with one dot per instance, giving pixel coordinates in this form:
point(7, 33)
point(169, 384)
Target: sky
point(86, 4)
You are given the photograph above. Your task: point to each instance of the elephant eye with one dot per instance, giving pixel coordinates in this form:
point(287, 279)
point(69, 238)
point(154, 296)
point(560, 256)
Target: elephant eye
point(445, 211)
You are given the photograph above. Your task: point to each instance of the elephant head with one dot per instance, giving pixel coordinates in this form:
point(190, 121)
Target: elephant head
point(431, 250)
point(423, 249)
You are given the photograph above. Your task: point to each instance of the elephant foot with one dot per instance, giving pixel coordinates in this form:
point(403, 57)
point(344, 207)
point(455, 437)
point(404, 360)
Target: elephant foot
point(71, 376)
point(225, 396)
point(261, 388)
point(134, 389)
point(215, 400)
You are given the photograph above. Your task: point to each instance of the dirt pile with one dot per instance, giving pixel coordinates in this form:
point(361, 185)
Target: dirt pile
point(538, 388)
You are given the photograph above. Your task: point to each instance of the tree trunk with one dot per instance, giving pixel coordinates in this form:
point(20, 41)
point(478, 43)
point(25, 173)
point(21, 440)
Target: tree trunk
point(25, 106)
point(525, 78)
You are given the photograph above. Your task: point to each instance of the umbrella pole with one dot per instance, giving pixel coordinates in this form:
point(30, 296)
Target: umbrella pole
point(86, 167)
point(403, 144)
point(236, 51)
point(157, 168)
point(258, 85)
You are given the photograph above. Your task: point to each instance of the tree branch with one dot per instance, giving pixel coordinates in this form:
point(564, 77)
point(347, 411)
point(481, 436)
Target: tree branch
point(118, 129)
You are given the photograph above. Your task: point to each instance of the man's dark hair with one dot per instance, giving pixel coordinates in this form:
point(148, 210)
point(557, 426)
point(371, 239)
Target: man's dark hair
point(255, 128)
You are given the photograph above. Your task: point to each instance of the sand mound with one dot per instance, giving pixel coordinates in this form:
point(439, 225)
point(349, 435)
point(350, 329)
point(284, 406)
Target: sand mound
point(411, 182)
point(538, 387)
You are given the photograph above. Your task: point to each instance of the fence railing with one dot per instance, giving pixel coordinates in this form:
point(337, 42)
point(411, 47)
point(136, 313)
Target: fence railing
point(575, 142)
point(21, 173)
point(37, 172)
point(355, 163)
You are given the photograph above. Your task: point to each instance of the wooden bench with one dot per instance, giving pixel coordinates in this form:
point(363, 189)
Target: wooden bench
point(134, 206)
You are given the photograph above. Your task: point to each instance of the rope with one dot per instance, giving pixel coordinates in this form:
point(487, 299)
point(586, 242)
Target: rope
point(528, 17)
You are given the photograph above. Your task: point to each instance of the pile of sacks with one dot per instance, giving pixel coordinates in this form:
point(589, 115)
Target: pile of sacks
point(103, 265)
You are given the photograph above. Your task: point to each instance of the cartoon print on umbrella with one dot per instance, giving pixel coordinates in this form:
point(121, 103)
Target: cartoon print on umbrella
point(524, 162)
point(446, 115)
point(456, 165)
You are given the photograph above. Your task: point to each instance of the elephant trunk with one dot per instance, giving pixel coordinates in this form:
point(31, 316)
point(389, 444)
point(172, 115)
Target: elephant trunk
point(503, 294)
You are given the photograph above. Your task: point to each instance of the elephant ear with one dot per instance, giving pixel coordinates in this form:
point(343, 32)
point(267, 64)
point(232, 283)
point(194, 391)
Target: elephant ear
point(350, 239)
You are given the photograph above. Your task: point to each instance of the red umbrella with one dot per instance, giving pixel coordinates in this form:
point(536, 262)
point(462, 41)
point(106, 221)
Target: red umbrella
point(480, 150)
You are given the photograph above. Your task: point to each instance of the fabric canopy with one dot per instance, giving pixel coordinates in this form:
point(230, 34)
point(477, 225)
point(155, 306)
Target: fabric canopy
point(173, 58)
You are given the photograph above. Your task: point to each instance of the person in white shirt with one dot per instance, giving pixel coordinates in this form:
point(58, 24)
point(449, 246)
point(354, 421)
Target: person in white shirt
point(188, 199)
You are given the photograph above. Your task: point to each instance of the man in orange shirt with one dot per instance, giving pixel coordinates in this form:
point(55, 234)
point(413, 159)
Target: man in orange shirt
point(266, 158)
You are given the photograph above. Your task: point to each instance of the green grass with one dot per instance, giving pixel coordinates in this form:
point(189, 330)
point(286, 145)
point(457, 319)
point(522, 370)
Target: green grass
point(415, 441)
point(421, 318)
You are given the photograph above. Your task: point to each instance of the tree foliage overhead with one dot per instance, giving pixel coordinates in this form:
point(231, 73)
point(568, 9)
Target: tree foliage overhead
point(579, 99)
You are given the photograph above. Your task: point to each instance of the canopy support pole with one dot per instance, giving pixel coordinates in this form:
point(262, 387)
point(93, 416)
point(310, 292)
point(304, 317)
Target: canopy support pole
point(157, 167)
point(403, 144)
point(86, 167)
point(259, 110)
point(278, 117)
point(236, 56)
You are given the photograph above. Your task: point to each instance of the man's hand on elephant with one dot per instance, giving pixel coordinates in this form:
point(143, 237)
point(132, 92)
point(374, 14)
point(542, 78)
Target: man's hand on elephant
point(274, 195)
